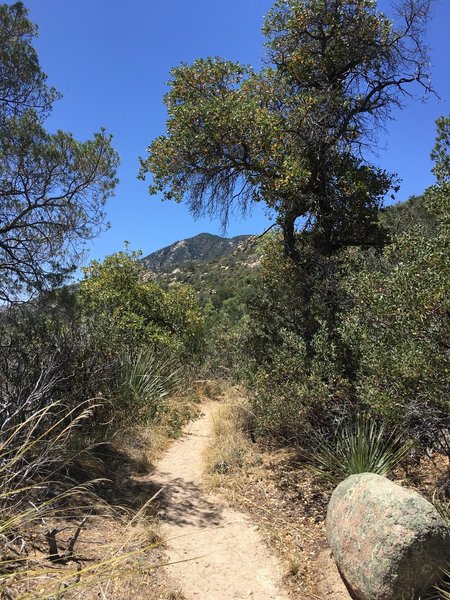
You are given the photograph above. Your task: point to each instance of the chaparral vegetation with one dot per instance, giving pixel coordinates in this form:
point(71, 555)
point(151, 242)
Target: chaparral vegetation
point(334, 325)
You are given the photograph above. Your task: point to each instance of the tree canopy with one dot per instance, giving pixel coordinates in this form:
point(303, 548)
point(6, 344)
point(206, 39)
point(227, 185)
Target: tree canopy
point(295, 134)
point(130, 308)
point(52, 187)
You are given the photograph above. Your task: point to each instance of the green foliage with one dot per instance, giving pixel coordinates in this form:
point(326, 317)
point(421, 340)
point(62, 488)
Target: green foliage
point(440, 154)
point(133, 312)
point(223, 287)
point(292, 134)
point(48, 353)
point(361, 445)
point(373, 333)
point(291, 358)
point(52, 187)
point(398, 328)
point(329, 336)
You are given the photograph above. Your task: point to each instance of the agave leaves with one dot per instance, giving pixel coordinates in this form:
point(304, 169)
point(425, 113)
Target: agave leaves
point(360, 446)
point(146, 379)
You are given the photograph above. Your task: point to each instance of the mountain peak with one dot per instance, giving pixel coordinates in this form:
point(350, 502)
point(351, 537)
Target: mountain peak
point(203, 247)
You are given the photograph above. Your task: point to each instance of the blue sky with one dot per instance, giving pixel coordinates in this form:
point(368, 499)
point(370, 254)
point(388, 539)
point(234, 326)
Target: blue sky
point(111, 61)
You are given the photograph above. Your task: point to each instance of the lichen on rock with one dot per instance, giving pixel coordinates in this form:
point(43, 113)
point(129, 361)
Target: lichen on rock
point(389, 542)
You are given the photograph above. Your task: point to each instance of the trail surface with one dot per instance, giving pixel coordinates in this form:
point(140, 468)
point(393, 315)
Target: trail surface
point(224, 555)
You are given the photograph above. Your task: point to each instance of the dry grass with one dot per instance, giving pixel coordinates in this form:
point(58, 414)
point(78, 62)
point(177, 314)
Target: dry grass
point(59, 539)
point(256, 480)
point(118, 552)
point(146, 443)
point(284, 498)
point(231, 450)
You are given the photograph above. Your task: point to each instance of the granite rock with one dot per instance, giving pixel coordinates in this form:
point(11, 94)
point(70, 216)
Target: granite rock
point(389, 543)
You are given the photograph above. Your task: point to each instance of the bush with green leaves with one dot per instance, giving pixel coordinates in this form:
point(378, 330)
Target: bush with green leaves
point(363, 329)
point(133, 312)
point(291, 358)
point(48, 353)
point(373, 336)
point(398, 328)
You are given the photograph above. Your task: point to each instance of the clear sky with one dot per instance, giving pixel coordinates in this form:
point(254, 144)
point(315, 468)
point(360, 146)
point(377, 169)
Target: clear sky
point(111, 61)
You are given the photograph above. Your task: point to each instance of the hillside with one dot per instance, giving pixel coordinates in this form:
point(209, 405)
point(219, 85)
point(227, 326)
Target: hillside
point(203, 247)
point(219, 269)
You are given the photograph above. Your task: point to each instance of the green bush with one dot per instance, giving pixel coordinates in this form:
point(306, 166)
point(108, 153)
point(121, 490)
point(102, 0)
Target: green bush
point(291, 358)
point(131, 311)
point(361, 330)
point(398, 327)
point(48, 354)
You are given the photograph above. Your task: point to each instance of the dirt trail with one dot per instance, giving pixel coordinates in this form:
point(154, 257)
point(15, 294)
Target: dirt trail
point(224, 553)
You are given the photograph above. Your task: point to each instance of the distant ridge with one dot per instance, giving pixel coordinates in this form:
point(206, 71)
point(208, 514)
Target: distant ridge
point(203, 247)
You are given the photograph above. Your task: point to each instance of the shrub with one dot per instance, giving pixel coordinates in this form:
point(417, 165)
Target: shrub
point(398, 327)
point(292, 359)
point(362, 445)
point(131, 311)
point(48, 353)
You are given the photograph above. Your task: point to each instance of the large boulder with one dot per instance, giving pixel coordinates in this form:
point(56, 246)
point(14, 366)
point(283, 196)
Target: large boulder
point(389, 543)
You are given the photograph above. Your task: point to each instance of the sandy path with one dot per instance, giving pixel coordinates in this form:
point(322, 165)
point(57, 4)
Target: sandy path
point(226, 556)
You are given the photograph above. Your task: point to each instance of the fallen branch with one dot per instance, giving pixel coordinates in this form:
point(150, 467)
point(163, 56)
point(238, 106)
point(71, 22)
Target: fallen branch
point(68, 553)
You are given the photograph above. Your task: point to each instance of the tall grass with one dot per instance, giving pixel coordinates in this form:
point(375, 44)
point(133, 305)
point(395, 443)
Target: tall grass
point(230, 448)
point(36, 493)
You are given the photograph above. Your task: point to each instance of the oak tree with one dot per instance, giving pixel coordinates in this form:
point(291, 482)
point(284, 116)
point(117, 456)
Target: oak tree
point(296, 134)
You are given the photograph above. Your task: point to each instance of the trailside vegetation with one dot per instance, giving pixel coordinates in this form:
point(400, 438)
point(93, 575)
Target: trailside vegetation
point(52, 186)
point(77, 363)
point(336, 321)
point(348, 314)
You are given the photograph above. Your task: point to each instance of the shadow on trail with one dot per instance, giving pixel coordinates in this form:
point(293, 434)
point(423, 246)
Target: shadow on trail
point(128, 483)
point(183, 502)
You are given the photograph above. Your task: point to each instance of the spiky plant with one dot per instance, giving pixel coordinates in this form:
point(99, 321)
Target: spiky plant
point(362, 445)
point(146, 379)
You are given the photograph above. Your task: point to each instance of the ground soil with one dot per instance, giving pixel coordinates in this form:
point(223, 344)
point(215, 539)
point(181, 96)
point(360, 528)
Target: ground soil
point(289, 504)
point(214, 551)
point(270, 544)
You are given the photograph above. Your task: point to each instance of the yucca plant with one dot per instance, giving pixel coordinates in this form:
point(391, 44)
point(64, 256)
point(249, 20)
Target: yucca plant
point(146, 379)
point(362, 445)
point(442, 505)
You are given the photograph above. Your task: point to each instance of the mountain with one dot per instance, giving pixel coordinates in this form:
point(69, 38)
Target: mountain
point(204, 247)
point(222, 271)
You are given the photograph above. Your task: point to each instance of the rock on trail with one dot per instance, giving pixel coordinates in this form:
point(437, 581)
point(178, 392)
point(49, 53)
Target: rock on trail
point(215, 551)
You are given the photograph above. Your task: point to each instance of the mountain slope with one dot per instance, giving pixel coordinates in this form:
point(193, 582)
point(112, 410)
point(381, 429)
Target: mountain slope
point(221, 271)
point(204, 247)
